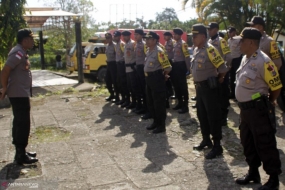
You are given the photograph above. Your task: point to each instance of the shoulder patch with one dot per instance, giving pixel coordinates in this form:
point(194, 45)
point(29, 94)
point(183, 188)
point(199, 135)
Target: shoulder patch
point(224, 46)
point(274, 51)
point(215, 56)
point(19, 55)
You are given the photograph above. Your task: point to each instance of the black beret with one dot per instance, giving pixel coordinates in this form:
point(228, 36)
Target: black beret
point(249, 33)
point(213, 25)
point(108, 35)
point(199, 29)
point(126, 33)
point(23, 33)
point(117, 33)
point(257, 20)
point(167, 34)
point(139, 31)
point(178, 31)
point(231, 29)
point(151, 34)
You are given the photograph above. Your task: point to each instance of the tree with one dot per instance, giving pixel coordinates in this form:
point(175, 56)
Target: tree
point(167, 15)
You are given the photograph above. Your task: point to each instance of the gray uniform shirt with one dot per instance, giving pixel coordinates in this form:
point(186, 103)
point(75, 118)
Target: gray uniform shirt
point(270, 48)
point(169, 48)
point(119, 48)
point(110, 52)
point(140, 50)
point(202, 67)
point(256, 75)
point(224, 53)
point(156, 60)
point(234, 45)
point(129, 54)
point(181, 53)
point(20, 78)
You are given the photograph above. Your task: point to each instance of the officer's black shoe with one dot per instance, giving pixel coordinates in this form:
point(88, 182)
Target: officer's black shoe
point(131, 105)
point(193, 98)
point(151, 127)
point(32, 154)
point(216, 151)
point(120, 102)
point(110, 98)
point(184, 109)
point(271, 184)
point(140, 111)
point(146, 116)
point(127, 103)
point(251, 176)
point(117, 99)
point(158, 130)
point(23, 158)
point(173, 97)
point(178, 106)
point(205, 143)
point(194, 106)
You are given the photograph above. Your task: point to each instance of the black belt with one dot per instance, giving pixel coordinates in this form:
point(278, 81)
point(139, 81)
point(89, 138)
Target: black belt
point(147, 74)
point(201, 84)
point(178, 62)
point(130, 64)
point(247, 105)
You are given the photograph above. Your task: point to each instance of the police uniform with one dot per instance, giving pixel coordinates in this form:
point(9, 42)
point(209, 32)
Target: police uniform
point(207, 63)
point(255, 76)
point(130, 62)
point(121, 71)
point(180, 66)
point(111, 73)
point(236, 54)
point(156, 63)
point(267, 44)
point(222, 46)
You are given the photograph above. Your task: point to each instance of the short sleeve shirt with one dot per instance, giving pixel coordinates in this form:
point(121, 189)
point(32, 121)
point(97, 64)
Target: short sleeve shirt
point(169, 48)
point(234, 45)
point(129, 53)
point(20, 78)
point(222, 46)
point(140, 50)
point(110, 52)
point(255, 75)
point(119, 48)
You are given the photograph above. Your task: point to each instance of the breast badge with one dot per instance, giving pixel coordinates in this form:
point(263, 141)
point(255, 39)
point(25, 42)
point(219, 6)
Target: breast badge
point(247, 81)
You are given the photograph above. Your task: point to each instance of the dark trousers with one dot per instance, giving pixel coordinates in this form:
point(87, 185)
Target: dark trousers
point(179, 81)
point(258, 140)
point(169, 88)
point(156, 94)
point(21, 122)
point(141, 92)
point(235, 65)
point(132, 85)
point(122, 81)
point(111, 78)
point(209, 111)
point(225, 97)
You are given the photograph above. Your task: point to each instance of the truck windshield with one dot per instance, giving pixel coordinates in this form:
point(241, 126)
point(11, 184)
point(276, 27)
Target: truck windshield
point(72, 50)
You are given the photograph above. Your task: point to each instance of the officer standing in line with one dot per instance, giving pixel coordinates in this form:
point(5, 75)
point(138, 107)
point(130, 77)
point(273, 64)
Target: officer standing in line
point(130, 62)
point(255, 76)
point(140, 51)
point(180, 66)
point(236, 59)
point(267, 44)
point(169, 44)
point(208, 70)
point(121, 70)
point(111, 73)
point(156, 71)
point(221, 45)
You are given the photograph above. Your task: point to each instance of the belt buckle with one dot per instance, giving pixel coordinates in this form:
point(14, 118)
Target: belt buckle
point(145, 74)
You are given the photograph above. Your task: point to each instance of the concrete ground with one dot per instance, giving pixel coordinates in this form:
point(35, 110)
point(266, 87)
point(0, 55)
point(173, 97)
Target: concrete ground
point(83, 142)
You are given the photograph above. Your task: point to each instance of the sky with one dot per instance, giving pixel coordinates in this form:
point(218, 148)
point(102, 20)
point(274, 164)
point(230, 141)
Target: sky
point(117, 10)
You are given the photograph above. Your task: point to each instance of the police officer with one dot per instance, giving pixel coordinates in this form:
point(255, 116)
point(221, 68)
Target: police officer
point(208, 70)
point(236, 58)
point(255, 76)
point(16, 80)
point(121, 70)
point(140, 52)
point(169, 44)
point(130, 62)
point(111, 73)
point(156, 71)
point(221, 45)
point(267, 44)
point(180, 66)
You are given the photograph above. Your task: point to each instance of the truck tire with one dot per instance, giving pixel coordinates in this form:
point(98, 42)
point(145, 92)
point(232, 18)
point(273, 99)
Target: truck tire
point(101, 74)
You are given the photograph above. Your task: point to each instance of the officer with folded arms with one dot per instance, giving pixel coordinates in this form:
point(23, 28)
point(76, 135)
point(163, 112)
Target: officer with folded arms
point(208, 70)
point(256, 75)
point(156, 71)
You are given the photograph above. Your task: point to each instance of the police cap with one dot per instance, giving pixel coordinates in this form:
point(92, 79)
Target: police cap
point(126, 33)
point(178, 31)
point(139, 31)
point(24, 33)
point(108, 35)
point(167, 34)
point(249, 33)
point(117, 33)
point(151, 34)
point(232, 29)
point(199, 29)
point(257, 20)
point(213, 25)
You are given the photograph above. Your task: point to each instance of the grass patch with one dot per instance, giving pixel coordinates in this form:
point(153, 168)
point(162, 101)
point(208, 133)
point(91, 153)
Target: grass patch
point(49, 134)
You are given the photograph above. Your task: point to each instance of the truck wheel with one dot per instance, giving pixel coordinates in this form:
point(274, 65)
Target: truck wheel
point(101, 74)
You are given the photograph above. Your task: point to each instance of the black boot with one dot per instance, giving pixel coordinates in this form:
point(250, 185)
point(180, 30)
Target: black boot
point(271, 184)
point(159, 129)
point(146, 116)
point(22, 157)
point(184, 108)
point(152, 126)
point(120, 102)
point(125, 104)
point(117, 99)
point(205, 143)
point(252, 175)
point(110, 98)
point(217, 150)
point(193, 98)
point(32, 154)
point(178, 106)
point(131, 105)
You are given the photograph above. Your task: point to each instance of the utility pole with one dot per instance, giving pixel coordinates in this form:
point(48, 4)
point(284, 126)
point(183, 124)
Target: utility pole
point(79, 49)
